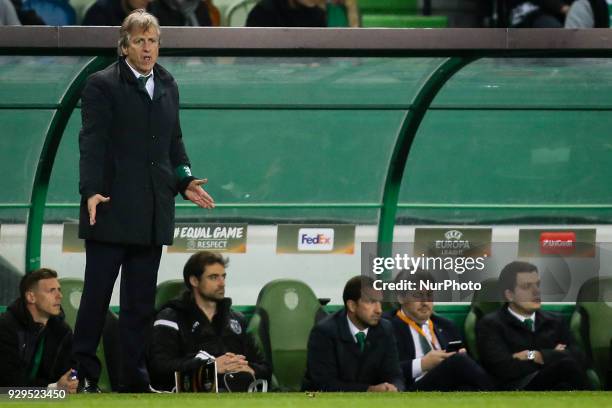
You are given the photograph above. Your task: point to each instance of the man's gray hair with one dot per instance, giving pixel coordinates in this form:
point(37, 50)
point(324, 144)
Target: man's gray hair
point(140, 19)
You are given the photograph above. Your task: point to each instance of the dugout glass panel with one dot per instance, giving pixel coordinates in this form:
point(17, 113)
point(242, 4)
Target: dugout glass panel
point(35, 80)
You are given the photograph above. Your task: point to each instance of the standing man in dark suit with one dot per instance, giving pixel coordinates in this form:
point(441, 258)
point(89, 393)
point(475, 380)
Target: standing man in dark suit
point(353, 349)
point(422, 339)
point(132, 165)
point(524, 347)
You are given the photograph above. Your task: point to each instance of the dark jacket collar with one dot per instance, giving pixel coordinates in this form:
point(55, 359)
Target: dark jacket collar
point(22, 315)
point(541, 318)
point(345, 331)
point(186, 304)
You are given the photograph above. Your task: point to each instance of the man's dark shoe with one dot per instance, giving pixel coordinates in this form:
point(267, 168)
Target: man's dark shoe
point(88, 386)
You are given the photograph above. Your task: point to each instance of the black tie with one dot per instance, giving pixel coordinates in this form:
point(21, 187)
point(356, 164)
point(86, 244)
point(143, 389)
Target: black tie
point(142, 82)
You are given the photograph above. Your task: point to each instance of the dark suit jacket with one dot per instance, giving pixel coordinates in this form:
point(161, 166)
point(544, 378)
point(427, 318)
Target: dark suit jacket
point(168, 16)
point(445, 332)
point(499, 335)
point(105, 12)
point(130, 148)
point(336, 364)
point(278, 13)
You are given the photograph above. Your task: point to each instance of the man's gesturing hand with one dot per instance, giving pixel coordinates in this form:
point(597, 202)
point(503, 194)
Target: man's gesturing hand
point(92, 203)
point(196, 194)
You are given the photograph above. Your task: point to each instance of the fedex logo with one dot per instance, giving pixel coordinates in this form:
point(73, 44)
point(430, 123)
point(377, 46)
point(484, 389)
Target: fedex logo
point(315, 239)
point(557, 243)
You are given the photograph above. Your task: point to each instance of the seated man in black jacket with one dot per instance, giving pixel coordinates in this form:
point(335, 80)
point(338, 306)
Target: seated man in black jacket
point(202, 320)
point(353, 349)
point(422, 341)
point(111, 12)
point(538, 13)
point(524, 347)
point(35, 342)
point(288, 13)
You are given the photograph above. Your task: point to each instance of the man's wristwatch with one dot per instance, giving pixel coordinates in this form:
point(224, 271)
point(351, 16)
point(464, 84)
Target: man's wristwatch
point(530, 355)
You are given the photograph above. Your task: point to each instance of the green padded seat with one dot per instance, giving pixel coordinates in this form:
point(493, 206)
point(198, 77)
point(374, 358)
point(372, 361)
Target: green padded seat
point(235, 14)
point(285, 312)
point(72, 289)
point(336, 16)
point(388, 6)
point(482, 303)
point(167, 291)
point(402, 21)
point(591, 325)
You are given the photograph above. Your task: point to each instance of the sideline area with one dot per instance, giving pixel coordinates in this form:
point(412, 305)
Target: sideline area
point(582, 399)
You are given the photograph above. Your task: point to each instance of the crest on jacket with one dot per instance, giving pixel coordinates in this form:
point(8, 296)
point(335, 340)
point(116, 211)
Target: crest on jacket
point(235, 326)
point(196, 324)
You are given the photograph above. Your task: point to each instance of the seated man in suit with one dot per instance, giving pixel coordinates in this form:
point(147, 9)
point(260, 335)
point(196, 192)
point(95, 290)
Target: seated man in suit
point(524, 347)
point(353, 349)
point(422, 339)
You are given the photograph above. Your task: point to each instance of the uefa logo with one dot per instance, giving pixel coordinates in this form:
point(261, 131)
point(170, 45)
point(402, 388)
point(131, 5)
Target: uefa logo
point(453, 235)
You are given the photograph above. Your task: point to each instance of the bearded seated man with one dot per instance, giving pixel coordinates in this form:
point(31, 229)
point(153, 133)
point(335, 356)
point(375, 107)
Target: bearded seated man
point(353, 349)
point(188, 331)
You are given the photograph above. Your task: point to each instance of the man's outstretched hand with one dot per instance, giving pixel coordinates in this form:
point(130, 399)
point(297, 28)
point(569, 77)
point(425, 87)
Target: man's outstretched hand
point(197, 195)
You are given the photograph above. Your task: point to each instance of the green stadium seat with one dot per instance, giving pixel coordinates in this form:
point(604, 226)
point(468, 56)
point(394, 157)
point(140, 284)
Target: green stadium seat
point(402, 21)
point(482, 304)
point(167, 291)
point(72, 290)
point(336, 16)
point(285, 312)
point(81, 7)
point(9, 281)
point(388, 6)
point(590, 325)
point(577, 326)
point(237, 13)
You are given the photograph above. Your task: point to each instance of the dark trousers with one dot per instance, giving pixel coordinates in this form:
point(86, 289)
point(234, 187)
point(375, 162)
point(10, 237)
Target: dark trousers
point(139, 265)
point(457, 373)
point(560, 375)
